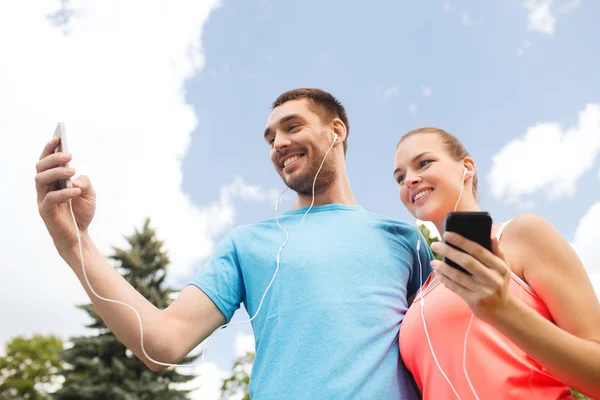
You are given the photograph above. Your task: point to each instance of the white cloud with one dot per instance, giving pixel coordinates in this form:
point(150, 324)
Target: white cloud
point(568, 6)
point(207, 384)
point(116, 78)
point(542, 17)
point(390, 92)
point(547, 158)
point(412, 109)
point(244, 343)
point(585, 244)
point(465, 18)
point(221, 214)
point(525, 46)
point(427, 91)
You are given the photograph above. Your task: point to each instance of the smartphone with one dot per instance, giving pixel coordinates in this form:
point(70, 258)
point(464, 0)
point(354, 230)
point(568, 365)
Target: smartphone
point(475, 226)
point(61, 133)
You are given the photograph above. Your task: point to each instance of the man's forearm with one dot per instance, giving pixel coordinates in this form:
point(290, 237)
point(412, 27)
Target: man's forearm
point(121, 320)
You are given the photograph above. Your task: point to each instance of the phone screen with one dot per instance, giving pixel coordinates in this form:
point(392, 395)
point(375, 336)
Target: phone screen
point(475, 226)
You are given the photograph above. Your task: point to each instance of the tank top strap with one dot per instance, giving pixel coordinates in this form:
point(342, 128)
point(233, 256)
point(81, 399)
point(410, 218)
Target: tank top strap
point(516, 277)
point(501, 229)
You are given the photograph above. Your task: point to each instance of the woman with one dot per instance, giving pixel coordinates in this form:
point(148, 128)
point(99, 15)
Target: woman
point(524, 325)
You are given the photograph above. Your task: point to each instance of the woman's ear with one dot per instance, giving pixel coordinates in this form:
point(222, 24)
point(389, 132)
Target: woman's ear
point(470, 167)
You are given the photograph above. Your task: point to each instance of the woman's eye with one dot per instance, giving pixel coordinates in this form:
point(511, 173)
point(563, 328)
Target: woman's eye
point(400, 179)
point(424, 163)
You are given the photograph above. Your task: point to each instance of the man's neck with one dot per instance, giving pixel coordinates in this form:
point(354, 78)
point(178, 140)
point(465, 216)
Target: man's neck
point(338, 192)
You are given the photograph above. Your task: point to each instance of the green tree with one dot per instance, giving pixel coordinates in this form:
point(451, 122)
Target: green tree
point(100, 366)
point(579, 395)
point(239, 380)
point(27, 365)
point(427, 234)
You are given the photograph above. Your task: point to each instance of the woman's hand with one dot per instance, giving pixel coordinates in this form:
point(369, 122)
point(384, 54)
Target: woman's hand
point(486, 290)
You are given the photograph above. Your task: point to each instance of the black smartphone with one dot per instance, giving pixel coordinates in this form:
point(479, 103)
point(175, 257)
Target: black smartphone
point(475, 226)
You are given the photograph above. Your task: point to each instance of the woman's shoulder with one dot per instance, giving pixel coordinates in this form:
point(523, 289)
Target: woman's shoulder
point(529, 227)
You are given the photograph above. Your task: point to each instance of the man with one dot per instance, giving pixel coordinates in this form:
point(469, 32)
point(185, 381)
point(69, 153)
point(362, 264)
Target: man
point(328, 326)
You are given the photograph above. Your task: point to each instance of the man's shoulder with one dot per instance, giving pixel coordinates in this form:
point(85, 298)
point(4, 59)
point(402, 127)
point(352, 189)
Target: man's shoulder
point(389, 221)
point(249, 230)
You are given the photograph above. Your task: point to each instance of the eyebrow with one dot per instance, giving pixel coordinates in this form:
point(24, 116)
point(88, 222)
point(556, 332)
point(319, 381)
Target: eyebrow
point(281, 121)
point(412, 161)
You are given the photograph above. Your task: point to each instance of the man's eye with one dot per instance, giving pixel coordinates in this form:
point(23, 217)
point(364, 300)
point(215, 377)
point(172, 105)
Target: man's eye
point(292, 127)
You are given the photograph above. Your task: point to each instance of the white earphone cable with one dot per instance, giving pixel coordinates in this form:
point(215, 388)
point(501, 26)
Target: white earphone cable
point(423, 291)
point(277, 259)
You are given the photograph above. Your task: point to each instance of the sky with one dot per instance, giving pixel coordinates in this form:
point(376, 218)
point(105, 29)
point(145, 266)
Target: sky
point(165, 105)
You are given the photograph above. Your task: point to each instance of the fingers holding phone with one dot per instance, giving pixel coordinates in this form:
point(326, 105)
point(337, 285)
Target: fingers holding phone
point(52, 168)
point(55, 187)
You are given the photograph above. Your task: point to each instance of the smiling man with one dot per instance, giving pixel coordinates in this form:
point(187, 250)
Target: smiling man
point(327, 328)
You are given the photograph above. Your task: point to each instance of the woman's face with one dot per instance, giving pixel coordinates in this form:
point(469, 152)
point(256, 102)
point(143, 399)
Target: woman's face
point(429, 178)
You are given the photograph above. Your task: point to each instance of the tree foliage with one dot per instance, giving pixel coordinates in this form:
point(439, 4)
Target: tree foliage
point(28, 365)
point(99, 366)
point(237, 384)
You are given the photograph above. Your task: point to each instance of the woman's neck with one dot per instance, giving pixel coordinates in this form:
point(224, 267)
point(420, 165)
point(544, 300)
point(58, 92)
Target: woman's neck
point(466, 204)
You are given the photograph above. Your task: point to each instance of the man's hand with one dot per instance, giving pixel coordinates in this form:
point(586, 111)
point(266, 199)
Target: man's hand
point(52, 204)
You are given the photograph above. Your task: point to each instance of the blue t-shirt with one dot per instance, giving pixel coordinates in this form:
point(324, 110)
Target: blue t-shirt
point(328, 327)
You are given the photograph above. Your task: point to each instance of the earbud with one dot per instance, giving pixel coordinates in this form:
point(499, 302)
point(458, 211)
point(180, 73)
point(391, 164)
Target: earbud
point(465, 173)
point(335, 137)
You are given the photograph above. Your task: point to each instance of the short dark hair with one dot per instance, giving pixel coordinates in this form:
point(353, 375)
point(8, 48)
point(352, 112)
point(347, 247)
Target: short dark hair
point(321, 103)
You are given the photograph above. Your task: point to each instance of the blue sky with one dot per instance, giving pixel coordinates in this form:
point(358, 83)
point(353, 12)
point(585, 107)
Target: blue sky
point(377, 60)
point(165, 106)
point(474, 69)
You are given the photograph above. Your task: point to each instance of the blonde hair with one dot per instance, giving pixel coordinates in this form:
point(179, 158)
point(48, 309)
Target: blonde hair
point(454, 147)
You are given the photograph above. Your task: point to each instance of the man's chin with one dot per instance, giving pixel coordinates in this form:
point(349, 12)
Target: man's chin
point(298, 183)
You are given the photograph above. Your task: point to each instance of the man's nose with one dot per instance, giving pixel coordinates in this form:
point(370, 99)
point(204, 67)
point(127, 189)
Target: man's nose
point(281, 142)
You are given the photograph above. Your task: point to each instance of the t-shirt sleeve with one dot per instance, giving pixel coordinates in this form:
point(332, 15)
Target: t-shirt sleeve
point(421, 271)
point(220, 278)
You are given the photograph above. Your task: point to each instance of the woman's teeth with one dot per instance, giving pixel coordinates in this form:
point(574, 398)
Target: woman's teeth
point(421, 194)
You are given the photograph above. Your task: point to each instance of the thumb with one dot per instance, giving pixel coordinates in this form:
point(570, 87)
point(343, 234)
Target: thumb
point(83, 182)
point(497, 250)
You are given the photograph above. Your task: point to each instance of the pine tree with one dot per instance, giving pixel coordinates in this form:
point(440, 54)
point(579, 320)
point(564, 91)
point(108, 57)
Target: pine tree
point(100, 366)
point(238, 384)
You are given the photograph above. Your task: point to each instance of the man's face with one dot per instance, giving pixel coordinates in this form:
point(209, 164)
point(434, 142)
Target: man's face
point(299, 141)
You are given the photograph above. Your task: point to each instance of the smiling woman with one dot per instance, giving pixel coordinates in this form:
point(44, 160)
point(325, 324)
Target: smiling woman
point(527, 312)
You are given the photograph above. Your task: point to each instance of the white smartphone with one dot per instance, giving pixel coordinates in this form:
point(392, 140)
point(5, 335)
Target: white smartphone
point(62, 147)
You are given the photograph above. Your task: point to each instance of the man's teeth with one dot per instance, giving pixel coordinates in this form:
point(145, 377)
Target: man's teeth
point(290, 160)
point(421, 194)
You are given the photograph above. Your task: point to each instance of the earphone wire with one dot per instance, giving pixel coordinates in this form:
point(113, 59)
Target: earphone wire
point(207, 340)
point(421, 296)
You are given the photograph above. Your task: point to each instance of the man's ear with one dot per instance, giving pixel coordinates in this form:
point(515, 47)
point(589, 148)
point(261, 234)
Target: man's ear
point(339, 129)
